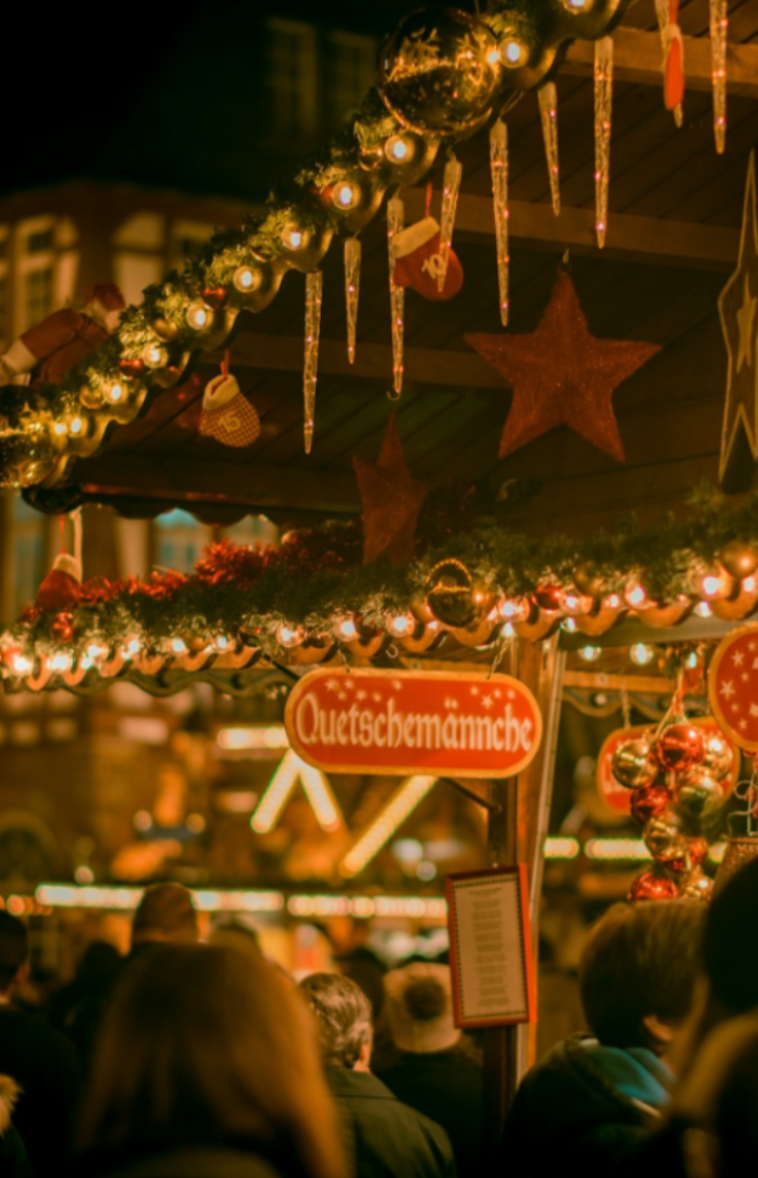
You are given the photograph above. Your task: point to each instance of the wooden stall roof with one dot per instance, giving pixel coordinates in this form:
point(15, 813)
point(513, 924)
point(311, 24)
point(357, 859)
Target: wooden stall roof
point(675, 212)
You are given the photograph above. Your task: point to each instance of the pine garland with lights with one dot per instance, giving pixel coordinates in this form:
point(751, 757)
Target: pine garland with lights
point(316, 580)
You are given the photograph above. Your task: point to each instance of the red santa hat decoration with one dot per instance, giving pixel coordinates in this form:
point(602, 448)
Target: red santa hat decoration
point(62, 587)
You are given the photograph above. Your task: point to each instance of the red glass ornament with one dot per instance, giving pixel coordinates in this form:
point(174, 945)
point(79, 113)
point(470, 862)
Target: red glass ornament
point(63, 627)
point(679, 747)
point(651, 885)
point(697, 852)
point(548, 596)
point(649, 803)
point(131, 369)
point(216, 297)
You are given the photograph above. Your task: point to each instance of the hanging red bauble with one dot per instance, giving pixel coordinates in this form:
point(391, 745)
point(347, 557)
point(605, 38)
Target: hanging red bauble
point(634, 765)
point(679, 747)
point(548, 597)
point(653, 885)
point(131, 369)
point(649, 802)
point(62, 627)
point(216, 297)
point(697, 852)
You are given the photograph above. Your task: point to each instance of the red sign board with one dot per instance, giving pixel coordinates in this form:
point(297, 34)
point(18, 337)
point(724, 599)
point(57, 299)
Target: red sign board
point(617, 796)
point(406, 722)
point(733, 687)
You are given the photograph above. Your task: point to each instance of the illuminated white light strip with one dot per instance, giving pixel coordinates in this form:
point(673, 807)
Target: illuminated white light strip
point(561, 848)
point(275, 795)
point(317, 790)
point(319, 793)
point(273, 736)
point(399, 807)
point(631, 849)
point(127, 899)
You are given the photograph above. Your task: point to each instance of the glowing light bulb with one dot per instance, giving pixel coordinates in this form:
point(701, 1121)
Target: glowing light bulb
point(569, 624)
point(134, 647)
point(513, 53)
point(347, 630)
point(289, 636)
point(613, 601)
point(76, 426)
point(641, 654)
point(60, 428)
point(590, 654)
point(177, 646)
point(711, 585)
point(247, 279)
point(294, 238)
point(400, 149)
point(346, 195)
point(155, 356)
point(222, 643)
point(22, 665)
point(199, 316)
point(692, 660)
point(96, 651)
point(401, 626)
point(514, 609)
point(636, 595)
point(703, 610)
point(749, 585)
point(508, 630)
point(114, 394)
point(60, 663)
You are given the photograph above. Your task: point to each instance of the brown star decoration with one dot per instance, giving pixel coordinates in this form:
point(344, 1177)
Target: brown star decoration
point(737, 307)
point(562, 375)
point(391, 500)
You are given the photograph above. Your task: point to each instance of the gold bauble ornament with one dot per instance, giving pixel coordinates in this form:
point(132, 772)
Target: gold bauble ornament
point(719, 757)
point(633, 764)
point(739, 559)
point(697, 886)
point(588, 580)
point(27, 453)
point(440, 71)
point(667, 841)
point(699, 800)
point(452, 597)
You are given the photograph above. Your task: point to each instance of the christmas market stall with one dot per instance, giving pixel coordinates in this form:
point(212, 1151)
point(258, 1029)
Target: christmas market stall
point(504, 409)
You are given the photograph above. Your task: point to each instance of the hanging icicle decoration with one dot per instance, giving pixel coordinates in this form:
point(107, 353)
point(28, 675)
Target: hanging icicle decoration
point(667, 12)
point(314, 290)
point(548, 99)
point(499, 168)
point(719, 29)
point(603, 108)
point(395, 224)
point(353, 252)
point(450, 192)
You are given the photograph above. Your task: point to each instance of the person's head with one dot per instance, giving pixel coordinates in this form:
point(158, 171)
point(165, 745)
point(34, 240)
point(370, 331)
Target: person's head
point(165, 913)
point(98, 957)
point(365, 969)
point(236, 935)
point(14, 953)
point(206, 1045)
point(343, 1014)
point(638, 970)
point(419, 1008)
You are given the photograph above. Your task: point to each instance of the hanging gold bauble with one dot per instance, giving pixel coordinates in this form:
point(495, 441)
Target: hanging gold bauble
point(739, 559)
point(452, 596)
point(633, 764)
point(439, 71)
point(27, 453)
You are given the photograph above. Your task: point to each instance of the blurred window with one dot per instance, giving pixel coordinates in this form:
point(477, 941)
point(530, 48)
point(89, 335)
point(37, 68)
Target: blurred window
point(35, 254)
point(350, 73)
point(180, 540)
point(292, 77)
point(28, 530)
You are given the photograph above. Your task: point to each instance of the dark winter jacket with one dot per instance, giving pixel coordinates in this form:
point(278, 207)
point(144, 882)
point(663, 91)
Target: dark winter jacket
point(583, 1108)
point(46, 1069)
point(447, 1086)
point(14, 1161)
point(386, 1138)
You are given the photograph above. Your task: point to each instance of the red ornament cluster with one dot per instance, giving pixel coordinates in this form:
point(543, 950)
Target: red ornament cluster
point(678, 775)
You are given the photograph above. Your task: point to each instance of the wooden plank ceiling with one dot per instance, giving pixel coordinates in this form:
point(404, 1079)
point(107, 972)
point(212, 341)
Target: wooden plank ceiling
point(675, 213)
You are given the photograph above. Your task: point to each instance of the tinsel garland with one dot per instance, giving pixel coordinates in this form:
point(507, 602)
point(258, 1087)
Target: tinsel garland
point(316, 577)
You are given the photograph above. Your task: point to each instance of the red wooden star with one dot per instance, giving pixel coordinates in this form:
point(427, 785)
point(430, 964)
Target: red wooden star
point(562, 375)
point(391, 500)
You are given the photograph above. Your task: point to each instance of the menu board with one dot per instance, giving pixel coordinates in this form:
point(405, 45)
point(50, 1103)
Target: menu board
point(490, 948)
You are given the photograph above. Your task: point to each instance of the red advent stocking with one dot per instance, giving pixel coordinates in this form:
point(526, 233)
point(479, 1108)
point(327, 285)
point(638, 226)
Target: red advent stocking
point(418, 262)
point(227, 415)
point(62, 587)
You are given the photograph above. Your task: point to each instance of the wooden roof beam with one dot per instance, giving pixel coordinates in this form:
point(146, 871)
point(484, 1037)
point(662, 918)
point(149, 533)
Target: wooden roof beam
point(637, 58)
point(633, 238)
point(177, 480)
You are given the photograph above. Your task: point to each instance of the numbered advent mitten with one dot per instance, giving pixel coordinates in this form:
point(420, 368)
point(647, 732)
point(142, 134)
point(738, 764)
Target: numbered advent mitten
point(227, 415)
point(418, 261)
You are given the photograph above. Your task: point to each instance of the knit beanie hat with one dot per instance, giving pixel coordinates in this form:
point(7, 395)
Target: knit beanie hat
point(419, 1007)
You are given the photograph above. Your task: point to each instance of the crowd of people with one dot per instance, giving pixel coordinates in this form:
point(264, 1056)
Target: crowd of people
point(204, 1060)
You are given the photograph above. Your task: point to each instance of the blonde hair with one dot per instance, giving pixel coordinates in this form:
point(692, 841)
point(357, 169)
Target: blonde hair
point(205, 1045)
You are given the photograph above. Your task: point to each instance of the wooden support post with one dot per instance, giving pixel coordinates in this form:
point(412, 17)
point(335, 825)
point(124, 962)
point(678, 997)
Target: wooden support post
point(516, 829)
